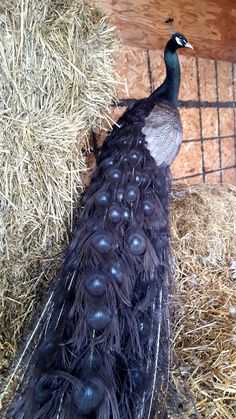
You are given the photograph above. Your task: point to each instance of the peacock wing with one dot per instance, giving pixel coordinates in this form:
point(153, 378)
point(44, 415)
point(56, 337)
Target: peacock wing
point(163, 133)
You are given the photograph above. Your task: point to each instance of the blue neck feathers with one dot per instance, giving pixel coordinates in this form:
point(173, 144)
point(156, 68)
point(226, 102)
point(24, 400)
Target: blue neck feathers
point(169, 90)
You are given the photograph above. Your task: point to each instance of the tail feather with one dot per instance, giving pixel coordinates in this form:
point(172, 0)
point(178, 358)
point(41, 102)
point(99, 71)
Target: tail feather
point(105, 347)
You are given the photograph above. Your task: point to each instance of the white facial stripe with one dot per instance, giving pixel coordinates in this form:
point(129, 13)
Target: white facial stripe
point(178, 40)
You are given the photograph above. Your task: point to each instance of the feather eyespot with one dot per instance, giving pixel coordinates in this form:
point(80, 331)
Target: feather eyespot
point(115, 214)
point(120, 194)
point(43, 389)
point(102, 198)
point(137, 244)
point(123, 143)
point(134, 156)
point(96, 283)
point(126, 214)
point(102, 242)
point(114, 175)
point(116, 272)
point(137, 178)
point(145, 177)
point(89, 396)
point(148, 208)
point(131, 193)
point(124, 161)
point(108, 162)
point(99, 319)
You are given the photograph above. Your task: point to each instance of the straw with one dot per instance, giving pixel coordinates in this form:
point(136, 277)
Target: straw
point(57, 82)
point(203, 221)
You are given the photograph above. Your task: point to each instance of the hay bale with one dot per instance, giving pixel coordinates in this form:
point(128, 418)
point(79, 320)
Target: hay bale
point(57, 81)
point(203, 221)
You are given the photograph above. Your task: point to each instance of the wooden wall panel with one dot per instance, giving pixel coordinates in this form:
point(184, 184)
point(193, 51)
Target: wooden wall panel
point(209, 25)
point(207, 73)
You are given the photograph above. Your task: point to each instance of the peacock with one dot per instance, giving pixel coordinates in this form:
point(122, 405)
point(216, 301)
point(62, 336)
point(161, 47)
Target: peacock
point(104, 352)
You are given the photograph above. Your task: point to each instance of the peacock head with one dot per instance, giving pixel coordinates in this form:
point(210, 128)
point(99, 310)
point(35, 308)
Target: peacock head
point(179, 41)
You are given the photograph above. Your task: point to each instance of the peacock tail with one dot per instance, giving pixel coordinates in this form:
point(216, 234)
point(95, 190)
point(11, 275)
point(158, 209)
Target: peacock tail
point(104, 352)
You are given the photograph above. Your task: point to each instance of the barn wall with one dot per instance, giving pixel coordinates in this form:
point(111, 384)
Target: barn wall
point(209, 25)
point(208, 151)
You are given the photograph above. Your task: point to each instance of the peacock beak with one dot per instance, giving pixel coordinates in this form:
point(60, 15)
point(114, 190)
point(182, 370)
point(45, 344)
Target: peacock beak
point(188, 45)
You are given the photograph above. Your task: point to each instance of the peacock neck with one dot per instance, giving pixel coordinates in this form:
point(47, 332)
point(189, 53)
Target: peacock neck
point(169, 90)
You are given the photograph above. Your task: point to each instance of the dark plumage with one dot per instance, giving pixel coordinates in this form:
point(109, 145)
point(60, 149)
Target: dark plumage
point(105, 349)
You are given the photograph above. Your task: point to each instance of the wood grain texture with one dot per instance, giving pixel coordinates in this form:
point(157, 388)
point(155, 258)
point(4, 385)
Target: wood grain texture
point(208, 25)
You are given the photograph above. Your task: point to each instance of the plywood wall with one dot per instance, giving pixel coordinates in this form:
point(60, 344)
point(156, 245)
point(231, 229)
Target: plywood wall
point(209, 25)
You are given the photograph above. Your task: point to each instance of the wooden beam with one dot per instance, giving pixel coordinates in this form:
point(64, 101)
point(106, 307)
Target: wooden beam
point(210, 26)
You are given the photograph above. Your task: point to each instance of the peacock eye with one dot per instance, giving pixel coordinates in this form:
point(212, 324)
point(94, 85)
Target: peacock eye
point(120, 194)
point(114, 175)
point(137, 244)
point(43, 389)
point(148, 207)
point(99, 319)
point(131, 193)
point(115, 214)
point(102, 242)
point(89, 396)
point(102, 198)
point(96, 283)
point(179, 41)
point(116, 272)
